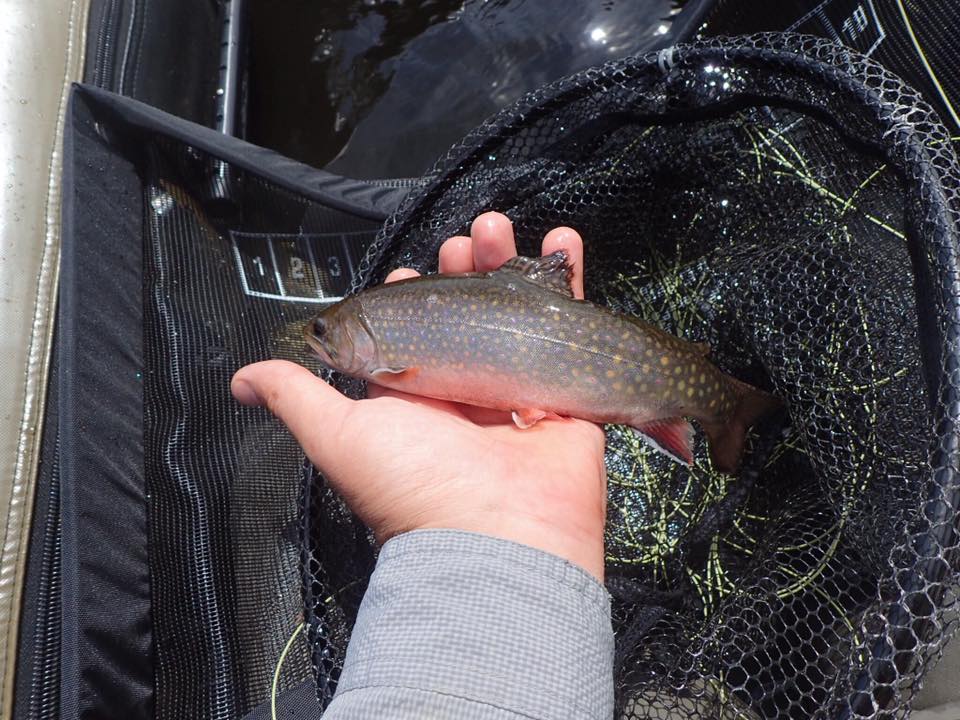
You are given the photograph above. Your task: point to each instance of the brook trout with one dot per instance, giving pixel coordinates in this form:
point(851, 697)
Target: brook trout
point(515, 339)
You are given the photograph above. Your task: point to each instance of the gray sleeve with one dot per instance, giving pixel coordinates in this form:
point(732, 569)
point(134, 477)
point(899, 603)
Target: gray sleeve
point(461, 625)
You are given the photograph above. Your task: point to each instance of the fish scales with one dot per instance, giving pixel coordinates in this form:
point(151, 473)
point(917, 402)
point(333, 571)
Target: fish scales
point(515, 340)
point(564, 352)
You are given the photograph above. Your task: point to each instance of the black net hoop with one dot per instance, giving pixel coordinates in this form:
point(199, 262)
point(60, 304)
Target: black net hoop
point(795, 205)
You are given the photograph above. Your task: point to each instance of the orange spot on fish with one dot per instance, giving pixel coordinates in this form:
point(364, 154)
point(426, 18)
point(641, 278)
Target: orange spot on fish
point(664, 360)
point(611, 374)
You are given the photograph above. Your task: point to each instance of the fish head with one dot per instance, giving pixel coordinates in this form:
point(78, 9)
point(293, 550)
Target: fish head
point(341, 338)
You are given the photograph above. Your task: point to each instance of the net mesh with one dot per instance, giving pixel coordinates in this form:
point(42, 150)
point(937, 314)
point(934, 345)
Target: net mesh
point(794, 205)
point(224, 287)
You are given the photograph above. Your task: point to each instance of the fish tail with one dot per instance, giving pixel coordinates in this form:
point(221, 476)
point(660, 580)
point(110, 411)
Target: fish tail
point(727, 437)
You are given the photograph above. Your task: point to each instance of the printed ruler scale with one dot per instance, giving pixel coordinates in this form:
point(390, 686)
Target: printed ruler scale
point(854, 23)
point(303, 268)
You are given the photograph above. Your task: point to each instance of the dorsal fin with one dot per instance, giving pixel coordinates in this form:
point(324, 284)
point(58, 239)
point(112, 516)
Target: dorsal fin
point(550, 271)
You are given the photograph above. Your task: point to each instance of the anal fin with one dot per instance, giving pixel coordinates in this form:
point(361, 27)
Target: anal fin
point(671, 436)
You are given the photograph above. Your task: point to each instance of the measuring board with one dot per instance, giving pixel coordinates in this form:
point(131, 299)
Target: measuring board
point(304, 268)
point(851, 22)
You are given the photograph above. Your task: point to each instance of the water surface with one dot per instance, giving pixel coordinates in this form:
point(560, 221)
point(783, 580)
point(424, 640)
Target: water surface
point(380, 88)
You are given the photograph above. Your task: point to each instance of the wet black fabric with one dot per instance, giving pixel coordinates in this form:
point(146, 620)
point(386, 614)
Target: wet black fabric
point(107, 655)
point(166, 54)
point(369, 200)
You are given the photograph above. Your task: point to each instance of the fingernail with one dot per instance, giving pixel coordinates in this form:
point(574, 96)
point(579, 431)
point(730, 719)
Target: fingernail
point(244, 393)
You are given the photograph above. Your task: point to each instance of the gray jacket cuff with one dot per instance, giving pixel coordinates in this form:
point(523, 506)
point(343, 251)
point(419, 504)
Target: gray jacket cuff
point(502, 628)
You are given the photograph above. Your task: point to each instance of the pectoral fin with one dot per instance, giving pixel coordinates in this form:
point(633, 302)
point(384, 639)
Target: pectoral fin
point(390, 370)
point(528, 417)
point(671, 436)
point(382, 371)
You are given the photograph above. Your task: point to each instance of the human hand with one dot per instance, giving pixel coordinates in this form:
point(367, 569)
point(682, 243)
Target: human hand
point(404, 462)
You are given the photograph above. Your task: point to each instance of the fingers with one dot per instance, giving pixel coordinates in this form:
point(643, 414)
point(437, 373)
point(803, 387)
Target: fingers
point(456, 255)
point(493, 241)
point(564, 238)
point(309, 407)
point(401, 274)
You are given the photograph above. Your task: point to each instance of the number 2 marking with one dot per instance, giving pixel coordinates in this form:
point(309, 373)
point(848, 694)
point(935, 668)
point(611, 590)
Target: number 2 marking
point(296, 268)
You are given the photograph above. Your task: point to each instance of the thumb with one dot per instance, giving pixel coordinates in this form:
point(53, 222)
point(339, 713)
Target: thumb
point(311, 409)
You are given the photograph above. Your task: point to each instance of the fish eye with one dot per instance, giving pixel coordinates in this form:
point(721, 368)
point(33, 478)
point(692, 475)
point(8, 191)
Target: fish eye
point(319, 328)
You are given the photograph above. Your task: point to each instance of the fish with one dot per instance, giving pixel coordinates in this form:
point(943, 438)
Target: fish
point(516, 339)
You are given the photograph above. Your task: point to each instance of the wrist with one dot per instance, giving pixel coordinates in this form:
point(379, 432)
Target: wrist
point(464, 620)
point(582, 547)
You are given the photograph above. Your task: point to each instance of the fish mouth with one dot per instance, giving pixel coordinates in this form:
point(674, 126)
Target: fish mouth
point(314, 342)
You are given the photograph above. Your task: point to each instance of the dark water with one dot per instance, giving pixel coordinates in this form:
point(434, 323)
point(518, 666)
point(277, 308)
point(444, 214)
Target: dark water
point(380, 88)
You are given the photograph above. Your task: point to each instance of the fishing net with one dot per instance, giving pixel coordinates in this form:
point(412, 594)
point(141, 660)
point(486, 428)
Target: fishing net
point(792, 204)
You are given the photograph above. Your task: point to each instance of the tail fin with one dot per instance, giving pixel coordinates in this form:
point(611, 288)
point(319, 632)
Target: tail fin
point(726, 438)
